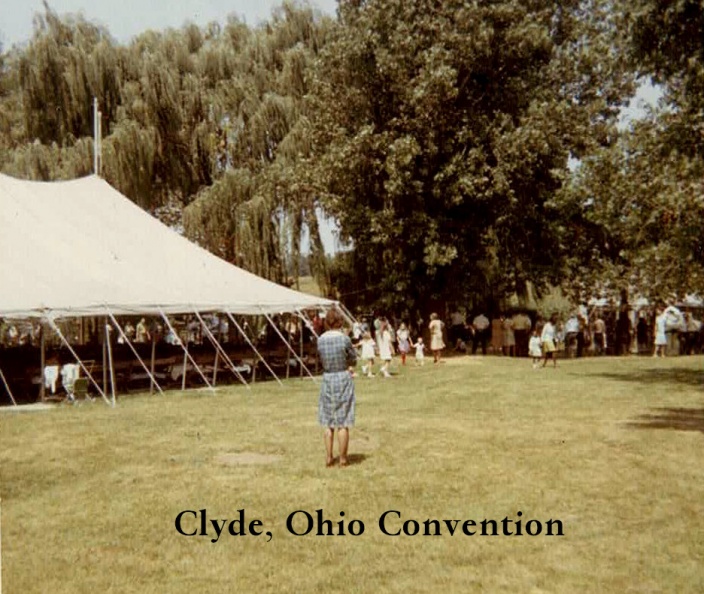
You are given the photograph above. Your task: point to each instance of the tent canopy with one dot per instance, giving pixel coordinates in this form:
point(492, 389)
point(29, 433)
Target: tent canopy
point(79, 248)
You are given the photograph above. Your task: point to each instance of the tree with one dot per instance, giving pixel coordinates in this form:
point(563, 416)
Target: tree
point(636, 209)
point(441, 132)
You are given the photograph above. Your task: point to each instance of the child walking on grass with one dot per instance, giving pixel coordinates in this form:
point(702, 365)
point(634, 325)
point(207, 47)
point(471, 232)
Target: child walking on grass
point(367, 357)
point(534, 348)
point(419, 347)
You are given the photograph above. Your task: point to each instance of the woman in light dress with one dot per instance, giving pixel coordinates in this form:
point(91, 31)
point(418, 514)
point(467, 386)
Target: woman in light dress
point(436, 342)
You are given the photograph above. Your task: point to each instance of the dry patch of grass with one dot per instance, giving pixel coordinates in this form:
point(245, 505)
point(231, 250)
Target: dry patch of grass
point(611, 447)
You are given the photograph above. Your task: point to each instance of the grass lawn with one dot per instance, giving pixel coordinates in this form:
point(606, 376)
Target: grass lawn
point(613, 448)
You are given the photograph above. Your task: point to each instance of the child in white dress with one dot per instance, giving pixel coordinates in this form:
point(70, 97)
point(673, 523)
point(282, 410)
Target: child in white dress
point(419, 347)
point(367, 343)
point(534, 348)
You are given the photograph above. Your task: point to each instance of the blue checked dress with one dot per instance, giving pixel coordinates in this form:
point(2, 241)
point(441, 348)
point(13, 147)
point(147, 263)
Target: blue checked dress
point(336, 403)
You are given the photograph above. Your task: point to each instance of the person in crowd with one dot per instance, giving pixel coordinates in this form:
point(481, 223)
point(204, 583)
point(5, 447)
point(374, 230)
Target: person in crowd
point(623, 330)
point(674, 325)
point(521, 329)
point(142, 332)
point(694, 327)
point(404, 342)
point(385, 343)
point(420, 348)
point(599, 334)
point(509, 338)
point(368, 347)
point(336, 404)
point(571, 331)
point(660, 333)
point(436, 341)
point(456, 333)
point(535, 348)
point(642, 332)
point(481, 326)
point(583, 337)
point(548, 340)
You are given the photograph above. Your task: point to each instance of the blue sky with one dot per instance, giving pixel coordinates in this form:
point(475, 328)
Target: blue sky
point(127, 18)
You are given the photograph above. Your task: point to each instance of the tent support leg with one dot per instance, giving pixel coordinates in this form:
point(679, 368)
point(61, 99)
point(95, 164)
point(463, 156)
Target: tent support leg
point(220, 350)
point(251, 344)
point(42, 363)
point(153, 361)
point(186, 355)
point(56, 329)
point(108, 336)
point(7, 387)
point(134, 351)
point(290, 348)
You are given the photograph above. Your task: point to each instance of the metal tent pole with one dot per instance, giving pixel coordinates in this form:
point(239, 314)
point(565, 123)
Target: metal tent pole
point(56, 329)
point(251, 344)
point(221, 350)
point(186, 353)
point(134, 351)
point(288, 345)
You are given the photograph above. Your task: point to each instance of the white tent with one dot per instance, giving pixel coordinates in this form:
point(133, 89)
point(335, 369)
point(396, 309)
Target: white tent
point(81, 248)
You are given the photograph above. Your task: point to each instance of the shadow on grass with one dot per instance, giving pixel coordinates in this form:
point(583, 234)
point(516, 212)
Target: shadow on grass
point(677, 419)
point(689, 377)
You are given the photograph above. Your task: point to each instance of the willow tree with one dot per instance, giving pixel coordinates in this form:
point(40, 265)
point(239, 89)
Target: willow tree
point(254, 212)
point(443, 130)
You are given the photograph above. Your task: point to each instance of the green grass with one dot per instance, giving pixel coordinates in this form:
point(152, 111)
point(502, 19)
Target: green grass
point(611, 447)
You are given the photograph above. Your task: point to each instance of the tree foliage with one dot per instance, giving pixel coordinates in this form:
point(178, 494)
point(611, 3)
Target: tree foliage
point(443, 130)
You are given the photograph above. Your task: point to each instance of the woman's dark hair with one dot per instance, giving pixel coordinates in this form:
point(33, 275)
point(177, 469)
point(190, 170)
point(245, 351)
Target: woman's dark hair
point(334, 319)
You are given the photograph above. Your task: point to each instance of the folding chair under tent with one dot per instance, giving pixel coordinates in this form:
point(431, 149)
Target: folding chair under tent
point(80, 248)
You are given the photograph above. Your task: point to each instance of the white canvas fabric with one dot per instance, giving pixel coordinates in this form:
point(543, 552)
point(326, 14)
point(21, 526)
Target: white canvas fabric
point(75, 248)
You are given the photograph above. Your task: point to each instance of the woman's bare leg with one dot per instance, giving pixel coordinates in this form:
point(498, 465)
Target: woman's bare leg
point(329, 437)
point(343, 436)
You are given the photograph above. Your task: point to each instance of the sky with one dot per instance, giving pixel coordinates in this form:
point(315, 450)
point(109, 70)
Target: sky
point(127, 18)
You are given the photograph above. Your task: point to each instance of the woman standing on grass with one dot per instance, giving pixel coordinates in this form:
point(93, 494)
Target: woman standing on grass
point(547, 339)
point(385, 347)
point(337, 398)
point(436, 342)
point(660, 333)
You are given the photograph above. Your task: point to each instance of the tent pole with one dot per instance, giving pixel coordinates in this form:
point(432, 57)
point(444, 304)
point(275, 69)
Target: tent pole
point(300, 333)
point(306, 322)
point(129, 344)
point(185, 363)
point(186, 354)
point(249, 342)
point(108, 334)
point(105, 354)
point(300, 361)
point(153, 361)
point(42, 363)
point(219, 349)
point(7, 387)
point(56, 329)
point(215, 366)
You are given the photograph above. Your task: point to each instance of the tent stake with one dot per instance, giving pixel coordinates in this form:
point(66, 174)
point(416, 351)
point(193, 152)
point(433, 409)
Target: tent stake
point(249, 342)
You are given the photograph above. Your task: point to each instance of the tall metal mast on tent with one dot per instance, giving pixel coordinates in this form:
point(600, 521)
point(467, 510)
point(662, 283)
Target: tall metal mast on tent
point(97, 138)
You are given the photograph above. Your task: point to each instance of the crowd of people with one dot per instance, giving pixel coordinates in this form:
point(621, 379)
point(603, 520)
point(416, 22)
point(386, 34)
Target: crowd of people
point(660, 331)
